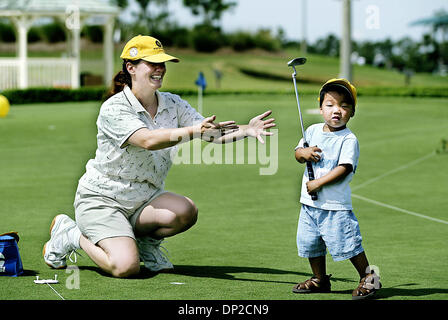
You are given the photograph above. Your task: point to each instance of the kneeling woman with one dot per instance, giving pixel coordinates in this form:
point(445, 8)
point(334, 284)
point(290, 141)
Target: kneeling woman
point(122, 210)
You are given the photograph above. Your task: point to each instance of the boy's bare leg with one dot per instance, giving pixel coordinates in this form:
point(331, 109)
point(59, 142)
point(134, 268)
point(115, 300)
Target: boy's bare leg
point(318, 266)
point(319, 282)
point(360, 263)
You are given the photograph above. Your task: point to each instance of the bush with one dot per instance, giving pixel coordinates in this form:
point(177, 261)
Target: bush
point(264, 40)
point(180, 38)
point(173, 36)
point(54, 32)
point(206, 38)
point(93, 33)
point(241, 41)
point(437, 92)
point(7, 33)
point(34, 35)
point(38, 95)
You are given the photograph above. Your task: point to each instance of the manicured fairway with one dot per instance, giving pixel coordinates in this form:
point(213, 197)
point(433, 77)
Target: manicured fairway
point(243, 246)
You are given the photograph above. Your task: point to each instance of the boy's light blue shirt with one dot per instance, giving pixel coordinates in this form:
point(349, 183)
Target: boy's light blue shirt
point(339, 147)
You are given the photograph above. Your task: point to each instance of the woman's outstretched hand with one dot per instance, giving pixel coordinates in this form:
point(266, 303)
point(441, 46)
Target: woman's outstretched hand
point(257, 126)
point(228, 131)
point(210, 130)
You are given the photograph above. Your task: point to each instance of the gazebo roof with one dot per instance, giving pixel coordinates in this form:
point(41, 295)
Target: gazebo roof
point(51, 7)
point(23, 13)
point(437, 20)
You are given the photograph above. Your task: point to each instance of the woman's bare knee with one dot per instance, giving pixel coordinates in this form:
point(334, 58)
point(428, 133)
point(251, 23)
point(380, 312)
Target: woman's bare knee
point(190, 215)
point(125, 269)
point(187, 214)
point(181, 220)
point(122, 256)
point(167, 215)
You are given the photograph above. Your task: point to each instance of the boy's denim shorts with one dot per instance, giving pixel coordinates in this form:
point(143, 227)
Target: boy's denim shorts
point(320, 229)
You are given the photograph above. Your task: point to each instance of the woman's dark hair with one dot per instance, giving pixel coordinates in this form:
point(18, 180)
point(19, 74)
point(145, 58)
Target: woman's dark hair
point(121, 79)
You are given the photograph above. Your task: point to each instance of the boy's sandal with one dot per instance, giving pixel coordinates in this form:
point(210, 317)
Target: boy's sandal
point(367, 287)
point(313, 285)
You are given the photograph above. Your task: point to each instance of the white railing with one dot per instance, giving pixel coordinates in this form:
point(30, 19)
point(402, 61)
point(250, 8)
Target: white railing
point(40, 72)
point(9, 73)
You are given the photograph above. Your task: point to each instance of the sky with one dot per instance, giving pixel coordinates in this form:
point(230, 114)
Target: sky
point(371, 19)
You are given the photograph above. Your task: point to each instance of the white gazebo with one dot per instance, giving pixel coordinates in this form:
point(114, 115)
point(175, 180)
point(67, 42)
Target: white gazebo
point(23, 72)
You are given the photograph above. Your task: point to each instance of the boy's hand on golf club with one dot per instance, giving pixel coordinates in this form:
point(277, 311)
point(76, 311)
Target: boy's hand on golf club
point(312, 186)
point(308, 154)
point(257, 126)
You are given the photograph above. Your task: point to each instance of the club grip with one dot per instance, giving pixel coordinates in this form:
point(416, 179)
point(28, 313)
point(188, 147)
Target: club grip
point(309, 168)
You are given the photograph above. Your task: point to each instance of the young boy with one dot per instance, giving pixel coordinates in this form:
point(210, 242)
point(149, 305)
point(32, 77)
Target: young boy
point(329, 221)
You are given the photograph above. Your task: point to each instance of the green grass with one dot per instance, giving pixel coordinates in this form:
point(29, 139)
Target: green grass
point(243, 245)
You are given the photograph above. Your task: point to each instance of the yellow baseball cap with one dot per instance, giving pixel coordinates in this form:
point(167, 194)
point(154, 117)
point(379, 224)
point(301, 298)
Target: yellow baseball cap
point(147, 48)
point(342, 83)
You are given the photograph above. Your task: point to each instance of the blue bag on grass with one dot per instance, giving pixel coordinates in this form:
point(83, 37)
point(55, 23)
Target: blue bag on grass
point(10, 262)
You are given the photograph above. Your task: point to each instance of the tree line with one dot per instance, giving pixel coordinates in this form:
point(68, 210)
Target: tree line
point(152, 17)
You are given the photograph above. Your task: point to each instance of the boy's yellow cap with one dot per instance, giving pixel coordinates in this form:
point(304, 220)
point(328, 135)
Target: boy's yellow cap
point(147, 48)
point(343, 83)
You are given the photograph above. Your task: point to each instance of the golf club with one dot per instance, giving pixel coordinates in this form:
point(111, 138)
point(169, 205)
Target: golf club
point(293, 63)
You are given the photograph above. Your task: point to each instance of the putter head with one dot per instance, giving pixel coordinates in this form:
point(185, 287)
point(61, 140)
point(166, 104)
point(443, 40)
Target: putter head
point(296, 62)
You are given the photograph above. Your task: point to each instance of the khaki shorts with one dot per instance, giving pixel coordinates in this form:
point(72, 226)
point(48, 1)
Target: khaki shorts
point(100, 217)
